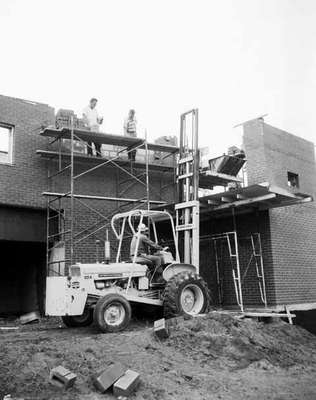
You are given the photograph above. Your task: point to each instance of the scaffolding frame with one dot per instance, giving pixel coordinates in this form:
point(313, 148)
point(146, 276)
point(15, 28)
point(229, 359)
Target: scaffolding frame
point(232, 240)
point(55, 213)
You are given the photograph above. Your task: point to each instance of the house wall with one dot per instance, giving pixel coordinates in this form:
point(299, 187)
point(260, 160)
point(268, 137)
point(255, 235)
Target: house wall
point(22, 182)
point(107, 181)
point(271, 153)
point(246, 225)
point(23, 208)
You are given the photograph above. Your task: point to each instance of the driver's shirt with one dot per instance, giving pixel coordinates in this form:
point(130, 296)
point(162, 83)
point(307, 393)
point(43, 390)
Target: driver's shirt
point(144, 242)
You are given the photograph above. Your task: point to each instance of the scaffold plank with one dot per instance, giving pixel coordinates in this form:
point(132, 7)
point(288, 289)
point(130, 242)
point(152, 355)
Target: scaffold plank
point(105, 138)
point(106, 198)
point(98, 160)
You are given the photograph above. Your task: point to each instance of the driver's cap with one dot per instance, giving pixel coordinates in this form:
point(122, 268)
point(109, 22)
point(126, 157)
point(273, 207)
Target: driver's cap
point(142, 228)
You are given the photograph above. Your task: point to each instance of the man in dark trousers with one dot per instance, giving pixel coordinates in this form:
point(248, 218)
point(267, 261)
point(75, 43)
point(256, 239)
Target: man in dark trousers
point(144, 244)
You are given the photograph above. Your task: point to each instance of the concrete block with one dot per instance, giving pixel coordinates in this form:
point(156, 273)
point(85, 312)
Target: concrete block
point(126, 384)
point(175, 321)
point(62, 377)
point(161, 329)
point(106, 378)
point(29, 317)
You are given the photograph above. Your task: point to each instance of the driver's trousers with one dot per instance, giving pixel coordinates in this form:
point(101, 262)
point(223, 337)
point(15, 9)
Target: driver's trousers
point(156, 260)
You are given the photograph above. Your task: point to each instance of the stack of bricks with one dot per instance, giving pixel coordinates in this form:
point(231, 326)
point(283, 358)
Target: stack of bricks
point(63, 119)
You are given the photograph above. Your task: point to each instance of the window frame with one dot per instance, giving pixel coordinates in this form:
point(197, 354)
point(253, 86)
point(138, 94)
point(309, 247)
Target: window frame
point(296, 178)
point(9, 154)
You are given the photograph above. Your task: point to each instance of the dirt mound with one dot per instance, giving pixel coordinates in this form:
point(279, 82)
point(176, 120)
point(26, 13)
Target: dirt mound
point(218, 354)
point(240, 342)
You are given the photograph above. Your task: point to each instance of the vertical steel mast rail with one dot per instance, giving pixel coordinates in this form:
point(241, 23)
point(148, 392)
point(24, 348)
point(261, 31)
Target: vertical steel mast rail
point(187, 209)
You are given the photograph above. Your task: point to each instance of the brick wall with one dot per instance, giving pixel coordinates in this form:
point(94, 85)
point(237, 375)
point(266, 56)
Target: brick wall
point(23, 182)
point(293, 232)
point(271, 153)
point(246, 225)
point(106, 181)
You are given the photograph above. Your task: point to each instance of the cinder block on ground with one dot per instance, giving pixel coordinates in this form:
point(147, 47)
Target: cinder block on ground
point(29, 317)
point(106, 378)
point(62, 377)
point(175, 321)
point(161, 329)
point(126, 384)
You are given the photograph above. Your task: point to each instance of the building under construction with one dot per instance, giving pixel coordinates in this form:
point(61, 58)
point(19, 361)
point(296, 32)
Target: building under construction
point(257, 216)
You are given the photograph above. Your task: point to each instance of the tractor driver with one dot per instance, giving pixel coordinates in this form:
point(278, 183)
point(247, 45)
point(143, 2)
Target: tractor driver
point(145, 243)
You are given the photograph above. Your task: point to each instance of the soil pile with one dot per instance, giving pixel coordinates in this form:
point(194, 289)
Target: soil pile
point(211, 357)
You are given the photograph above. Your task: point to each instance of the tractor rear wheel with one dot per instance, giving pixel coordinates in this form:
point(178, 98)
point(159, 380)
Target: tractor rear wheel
point(112, 313)
point(74, 321)
point(186, 293)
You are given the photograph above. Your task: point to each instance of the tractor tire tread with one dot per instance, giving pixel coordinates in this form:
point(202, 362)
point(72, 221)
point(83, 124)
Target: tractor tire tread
point(171, 307)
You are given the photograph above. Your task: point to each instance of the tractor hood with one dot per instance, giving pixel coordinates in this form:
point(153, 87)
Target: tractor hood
point(115, 270)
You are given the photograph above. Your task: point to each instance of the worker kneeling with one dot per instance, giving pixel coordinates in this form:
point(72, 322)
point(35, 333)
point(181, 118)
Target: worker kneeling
point(142, 253)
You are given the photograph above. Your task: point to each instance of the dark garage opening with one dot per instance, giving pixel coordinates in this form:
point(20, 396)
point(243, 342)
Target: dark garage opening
point(22, 283)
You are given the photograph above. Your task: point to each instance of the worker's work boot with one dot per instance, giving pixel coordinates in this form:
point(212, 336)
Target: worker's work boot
point(158, 278)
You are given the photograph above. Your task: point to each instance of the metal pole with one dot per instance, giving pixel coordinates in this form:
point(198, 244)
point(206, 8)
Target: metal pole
point(238, 273)
point(47, 239)
point(196, 157)
point(71, 194)
point(147, 171)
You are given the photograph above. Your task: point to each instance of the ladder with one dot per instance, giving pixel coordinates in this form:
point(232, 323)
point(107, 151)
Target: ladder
point(187, 209)
point(257, 255)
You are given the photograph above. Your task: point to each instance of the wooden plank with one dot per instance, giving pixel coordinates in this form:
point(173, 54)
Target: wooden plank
point(85, 158)
point(186, 204)
point(227, 199)
point(268, 314)
point(106, 138)
point(106, 198)
point(214, 174)
point(240, 203)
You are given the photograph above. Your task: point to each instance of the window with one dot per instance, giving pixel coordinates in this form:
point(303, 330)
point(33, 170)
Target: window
point(6, 139)
point(292, 180)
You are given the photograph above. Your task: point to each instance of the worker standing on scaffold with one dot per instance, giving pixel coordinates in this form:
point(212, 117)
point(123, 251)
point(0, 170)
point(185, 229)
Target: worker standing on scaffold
point(130, 130)
point(92, 120)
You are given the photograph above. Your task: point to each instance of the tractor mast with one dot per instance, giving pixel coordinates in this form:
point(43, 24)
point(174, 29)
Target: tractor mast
point(187, 208)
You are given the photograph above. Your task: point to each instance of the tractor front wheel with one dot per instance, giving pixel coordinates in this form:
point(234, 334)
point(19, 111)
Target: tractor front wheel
point(186, 293)
point(74, 321)
point(112, 313)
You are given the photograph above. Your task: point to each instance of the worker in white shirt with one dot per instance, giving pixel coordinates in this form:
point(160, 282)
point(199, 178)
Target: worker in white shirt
point(130, 130)
point(92, 120)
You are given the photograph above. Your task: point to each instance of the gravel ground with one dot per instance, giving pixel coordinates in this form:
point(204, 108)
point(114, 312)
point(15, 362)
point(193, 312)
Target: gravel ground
point(212, 357)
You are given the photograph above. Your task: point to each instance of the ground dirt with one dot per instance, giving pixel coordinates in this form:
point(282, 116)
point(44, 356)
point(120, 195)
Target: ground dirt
point(213, 357)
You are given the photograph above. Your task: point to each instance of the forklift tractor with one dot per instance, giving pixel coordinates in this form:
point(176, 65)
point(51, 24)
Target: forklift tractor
point(103, 293)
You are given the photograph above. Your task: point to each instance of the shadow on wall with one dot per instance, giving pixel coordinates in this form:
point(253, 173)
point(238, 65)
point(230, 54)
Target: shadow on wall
point(22, 282)
point(306, 319)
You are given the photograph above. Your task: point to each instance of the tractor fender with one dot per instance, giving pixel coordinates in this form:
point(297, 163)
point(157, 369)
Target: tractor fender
point(175, 268)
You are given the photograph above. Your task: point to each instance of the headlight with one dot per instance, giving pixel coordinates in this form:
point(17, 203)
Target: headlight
point(100, 284)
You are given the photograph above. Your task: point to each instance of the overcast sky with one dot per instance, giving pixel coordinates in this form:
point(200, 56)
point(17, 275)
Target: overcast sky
point(232, 59)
